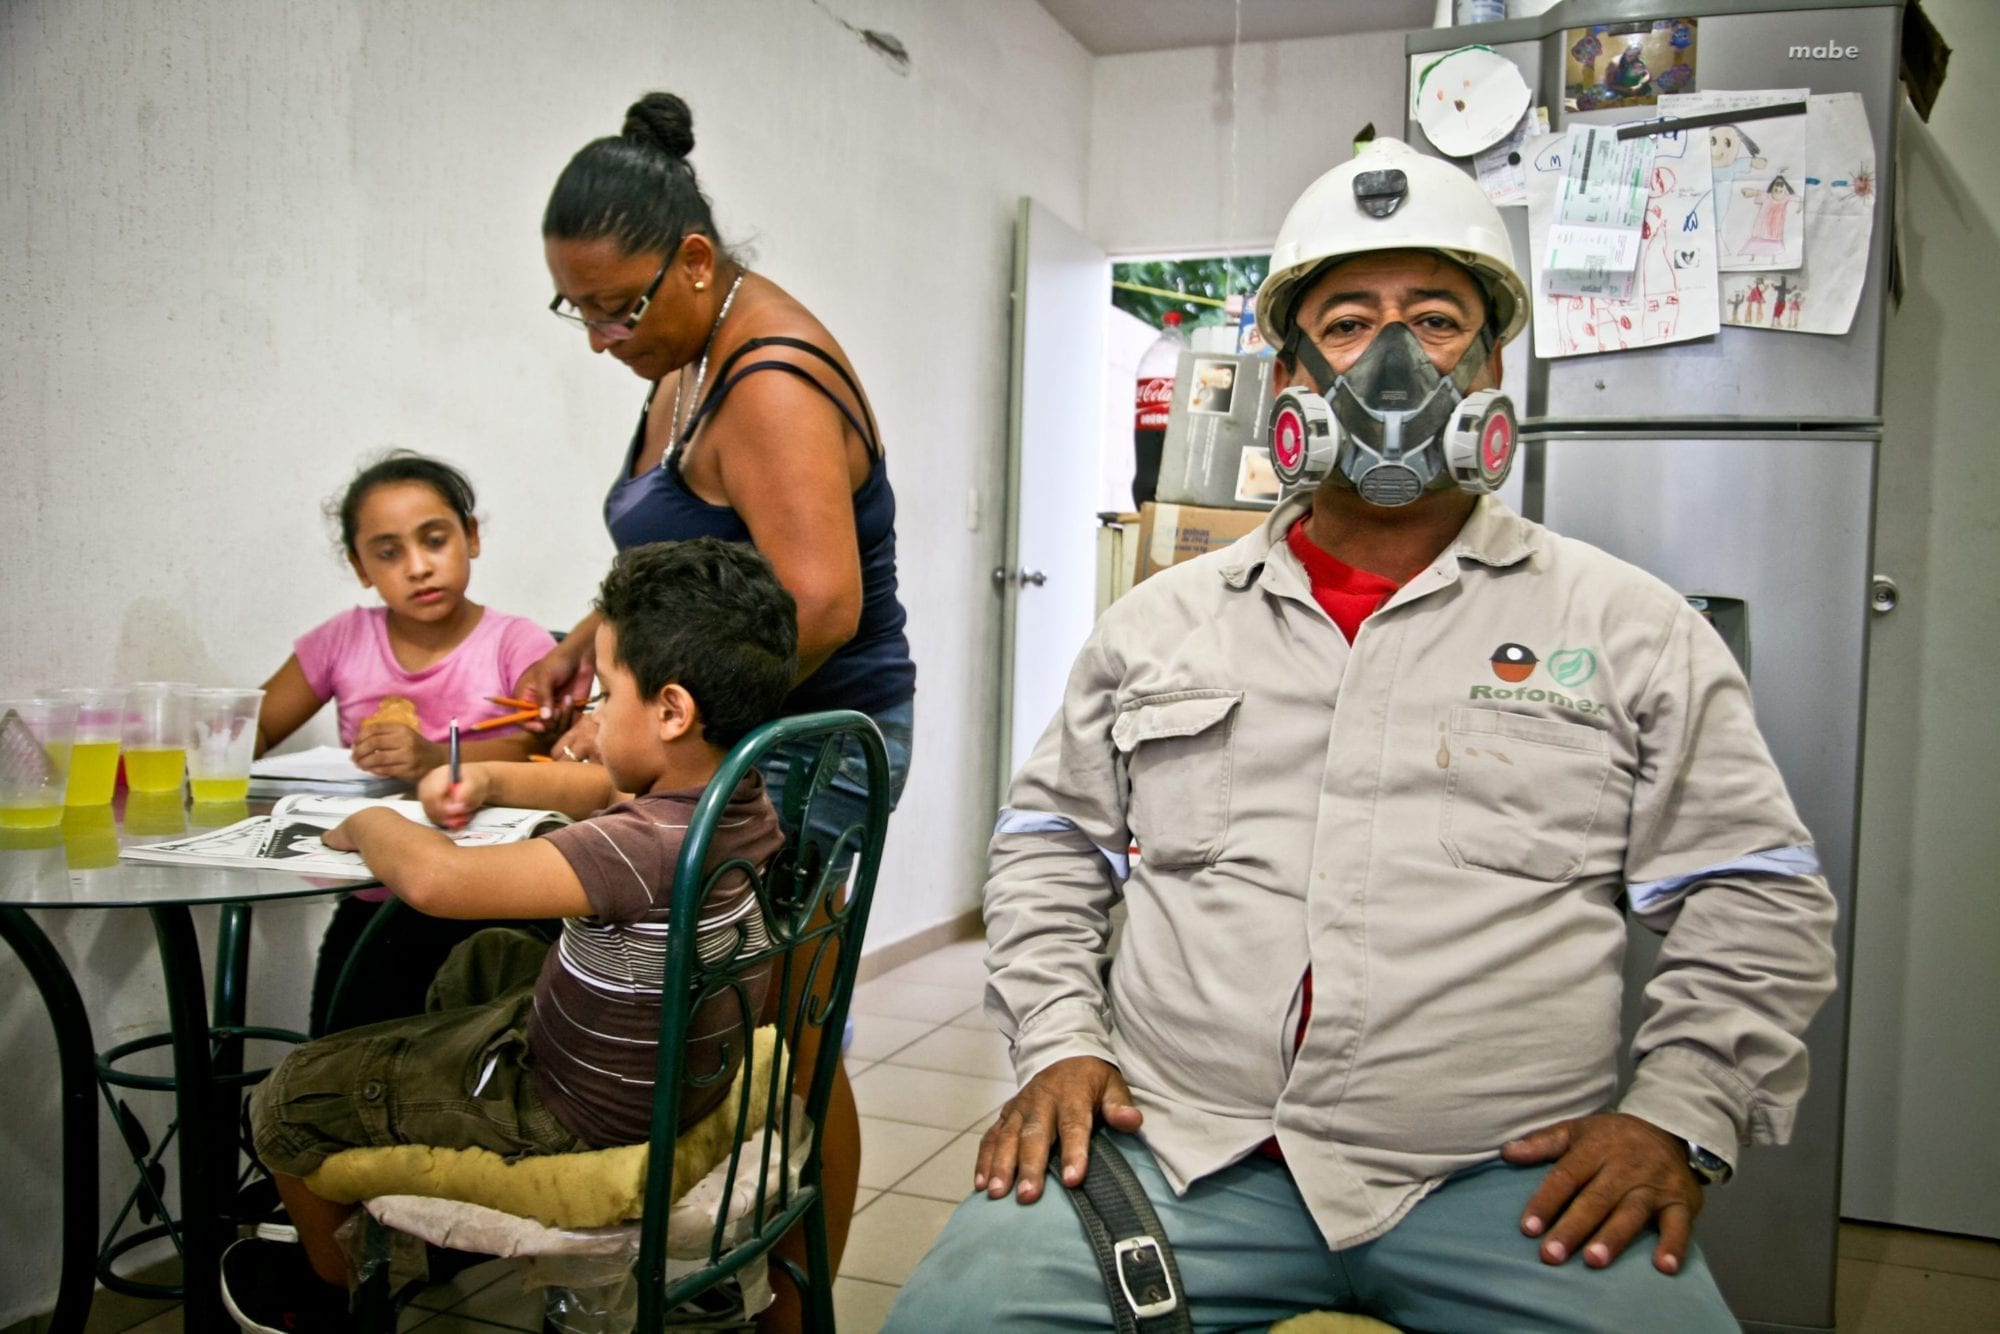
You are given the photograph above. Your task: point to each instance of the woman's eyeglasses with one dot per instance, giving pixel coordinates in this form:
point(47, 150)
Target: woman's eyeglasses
point(615, 328)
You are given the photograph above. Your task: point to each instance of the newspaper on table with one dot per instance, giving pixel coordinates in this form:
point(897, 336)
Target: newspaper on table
point(289, 838)
point(1674, 290)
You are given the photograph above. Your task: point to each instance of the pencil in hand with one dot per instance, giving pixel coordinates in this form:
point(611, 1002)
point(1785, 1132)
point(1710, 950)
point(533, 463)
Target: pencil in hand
point(506, 719)
point(452, 750)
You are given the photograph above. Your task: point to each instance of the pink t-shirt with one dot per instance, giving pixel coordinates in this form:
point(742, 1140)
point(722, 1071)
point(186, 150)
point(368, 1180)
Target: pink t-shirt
point(349, 659)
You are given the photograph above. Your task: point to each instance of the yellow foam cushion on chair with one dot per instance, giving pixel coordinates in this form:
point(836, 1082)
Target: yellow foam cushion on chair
point(596, 1188)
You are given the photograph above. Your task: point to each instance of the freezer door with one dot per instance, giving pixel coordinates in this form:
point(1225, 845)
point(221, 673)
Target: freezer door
point(1739, 373)
point(1783, 525)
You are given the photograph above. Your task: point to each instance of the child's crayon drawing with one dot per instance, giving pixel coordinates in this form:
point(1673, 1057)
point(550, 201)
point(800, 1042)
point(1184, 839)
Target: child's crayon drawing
point(1675, 295)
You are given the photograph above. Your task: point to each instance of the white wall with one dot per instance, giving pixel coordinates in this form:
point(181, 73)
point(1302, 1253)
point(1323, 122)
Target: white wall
point(1199, 152)
point(247, 244)
point(1923, 1085)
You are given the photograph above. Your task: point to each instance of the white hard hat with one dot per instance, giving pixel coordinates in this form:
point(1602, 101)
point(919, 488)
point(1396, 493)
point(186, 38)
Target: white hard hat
point(1391, 197)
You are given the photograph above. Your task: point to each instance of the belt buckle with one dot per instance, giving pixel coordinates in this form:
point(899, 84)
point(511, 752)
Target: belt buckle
point(1148, 1270)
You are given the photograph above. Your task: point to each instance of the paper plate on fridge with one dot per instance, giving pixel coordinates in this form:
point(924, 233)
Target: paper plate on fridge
point(1470, 99)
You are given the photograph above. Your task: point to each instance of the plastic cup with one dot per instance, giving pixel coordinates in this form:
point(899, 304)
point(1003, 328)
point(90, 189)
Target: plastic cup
point(222, 738)
point(35, 739)
point(156, 732)
point(100, 727)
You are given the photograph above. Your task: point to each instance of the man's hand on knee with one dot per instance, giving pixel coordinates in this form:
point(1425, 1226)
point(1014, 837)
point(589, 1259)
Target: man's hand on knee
point(1058, 1108)
point(1614, 1174)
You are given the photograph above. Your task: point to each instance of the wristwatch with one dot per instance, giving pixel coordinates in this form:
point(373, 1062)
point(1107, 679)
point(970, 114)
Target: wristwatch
point(1708, 1168)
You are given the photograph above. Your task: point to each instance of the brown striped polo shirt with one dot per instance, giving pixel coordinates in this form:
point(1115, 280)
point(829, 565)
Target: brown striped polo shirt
point(594, 1039)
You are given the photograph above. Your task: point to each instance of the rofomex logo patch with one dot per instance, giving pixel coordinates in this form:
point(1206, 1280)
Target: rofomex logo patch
point(1569, 668)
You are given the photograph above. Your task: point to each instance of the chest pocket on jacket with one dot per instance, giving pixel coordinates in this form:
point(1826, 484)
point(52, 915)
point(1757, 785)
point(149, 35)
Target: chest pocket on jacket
point(1521, 793)
point(1176, 751)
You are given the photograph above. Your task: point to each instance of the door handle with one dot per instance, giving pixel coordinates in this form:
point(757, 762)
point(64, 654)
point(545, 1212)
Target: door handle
point(1002, 577)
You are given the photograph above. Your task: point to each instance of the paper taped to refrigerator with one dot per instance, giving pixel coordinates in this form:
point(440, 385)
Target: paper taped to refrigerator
point(1822, 293)
point(1594, 237)
point(1675, 292)
point(1760, 170)
point(1503, 168)
point(1470, 99)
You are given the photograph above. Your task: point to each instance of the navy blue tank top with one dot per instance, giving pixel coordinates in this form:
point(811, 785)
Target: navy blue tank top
point(870, 672)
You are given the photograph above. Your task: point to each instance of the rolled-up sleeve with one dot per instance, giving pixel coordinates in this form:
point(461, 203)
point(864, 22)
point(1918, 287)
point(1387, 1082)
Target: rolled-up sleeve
point(1055, 867)
point(1719, 861)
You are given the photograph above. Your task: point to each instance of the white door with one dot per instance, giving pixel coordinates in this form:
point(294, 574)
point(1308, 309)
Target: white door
point(1047, 579)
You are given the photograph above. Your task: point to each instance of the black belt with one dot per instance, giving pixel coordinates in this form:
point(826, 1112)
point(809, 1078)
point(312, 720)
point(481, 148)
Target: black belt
point(1140, 1276)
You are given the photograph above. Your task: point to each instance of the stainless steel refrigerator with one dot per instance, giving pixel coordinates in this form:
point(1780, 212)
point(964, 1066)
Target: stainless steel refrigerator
point(1740, 468)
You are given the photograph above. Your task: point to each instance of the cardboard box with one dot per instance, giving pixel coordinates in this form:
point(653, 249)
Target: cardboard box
point(1215, 452)
point(1170, 534)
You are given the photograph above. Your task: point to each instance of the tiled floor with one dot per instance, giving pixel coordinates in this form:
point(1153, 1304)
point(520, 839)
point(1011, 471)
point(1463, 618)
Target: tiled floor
point(929, 1072)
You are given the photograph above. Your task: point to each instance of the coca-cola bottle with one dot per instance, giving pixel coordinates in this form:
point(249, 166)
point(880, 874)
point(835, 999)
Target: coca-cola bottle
point(1152, 401)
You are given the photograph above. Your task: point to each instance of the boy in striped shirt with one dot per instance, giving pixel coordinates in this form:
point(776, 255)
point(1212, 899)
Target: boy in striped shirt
point(527, 1048)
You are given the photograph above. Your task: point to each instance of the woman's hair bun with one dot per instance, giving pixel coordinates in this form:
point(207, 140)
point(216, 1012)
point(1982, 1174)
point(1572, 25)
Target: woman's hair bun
point(662, 121)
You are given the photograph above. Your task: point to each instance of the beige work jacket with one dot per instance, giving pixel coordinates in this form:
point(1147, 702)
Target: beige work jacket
point(1442, 820)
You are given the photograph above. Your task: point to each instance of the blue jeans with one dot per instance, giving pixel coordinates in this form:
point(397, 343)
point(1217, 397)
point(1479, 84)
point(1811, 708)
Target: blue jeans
point(846, 801)
point(1250, 1255)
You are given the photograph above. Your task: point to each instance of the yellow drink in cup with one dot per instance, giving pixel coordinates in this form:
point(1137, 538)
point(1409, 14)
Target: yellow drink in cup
point(222, 736)
point(155, 768)
point(35, 737)
point(93, 771)
point(220, 789)
point(100, 724)
point(156, 735)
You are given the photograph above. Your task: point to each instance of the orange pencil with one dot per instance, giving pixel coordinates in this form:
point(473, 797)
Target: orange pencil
point(506, 719)
point(513, 703)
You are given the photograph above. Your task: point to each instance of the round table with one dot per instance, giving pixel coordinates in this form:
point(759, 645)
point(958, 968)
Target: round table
point(76, 866)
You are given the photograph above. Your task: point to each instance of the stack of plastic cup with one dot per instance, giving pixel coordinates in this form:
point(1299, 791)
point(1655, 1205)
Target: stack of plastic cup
point(156, 733)
point(100, 726)
point(35, 739)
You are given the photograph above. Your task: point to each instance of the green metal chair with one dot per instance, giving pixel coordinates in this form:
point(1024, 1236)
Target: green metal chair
point(815, 939)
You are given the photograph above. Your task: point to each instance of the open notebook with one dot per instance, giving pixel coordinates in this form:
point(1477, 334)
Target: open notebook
point(288, 838)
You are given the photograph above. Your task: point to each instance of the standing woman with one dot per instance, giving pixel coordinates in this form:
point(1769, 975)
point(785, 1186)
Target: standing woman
point(755, 429)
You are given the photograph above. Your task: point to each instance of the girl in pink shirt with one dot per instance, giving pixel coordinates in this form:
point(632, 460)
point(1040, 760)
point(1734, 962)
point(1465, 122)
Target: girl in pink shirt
point(407, 527)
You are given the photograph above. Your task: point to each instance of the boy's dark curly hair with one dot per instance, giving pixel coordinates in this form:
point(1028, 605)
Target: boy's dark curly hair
point(709, 616)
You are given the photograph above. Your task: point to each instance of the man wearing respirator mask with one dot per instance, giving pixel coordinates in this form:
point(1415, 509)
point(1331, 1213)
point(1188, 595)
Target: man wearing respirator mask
point(1389, 762)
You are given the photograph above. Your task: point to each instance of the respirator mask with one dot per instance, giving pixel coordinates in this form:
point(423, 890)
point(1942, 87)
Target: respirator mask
point(1391, 427)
